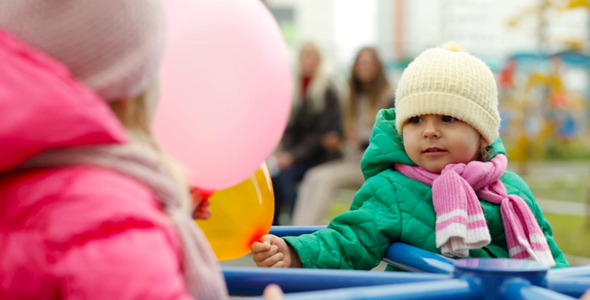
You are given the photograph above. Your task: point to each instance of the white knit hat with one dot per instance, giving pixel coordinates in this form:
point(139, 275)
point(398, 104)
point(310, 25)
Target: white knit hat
point(113, 46)
point(449, 81)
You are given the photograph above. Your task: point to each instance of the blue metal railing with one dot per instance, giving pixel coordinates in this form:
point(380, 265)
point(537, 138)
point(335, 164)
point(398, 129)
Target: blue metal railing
point(251, 281)
point(485, 278)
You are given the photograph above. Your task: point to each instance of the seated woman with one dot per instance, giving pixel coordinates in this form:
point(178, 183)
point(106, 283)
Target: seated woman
point(313, 134)
point(369, 91)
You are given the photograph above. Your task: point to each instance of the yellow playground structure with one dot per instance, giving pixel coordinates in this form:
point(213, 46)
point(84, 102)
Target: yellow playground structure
point(543, 103)
point(544, 96)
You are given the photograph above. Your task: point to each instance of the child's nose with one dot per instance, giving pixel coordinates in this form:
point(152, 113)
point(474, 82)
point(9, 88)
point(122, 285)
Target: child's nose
point(431, 128)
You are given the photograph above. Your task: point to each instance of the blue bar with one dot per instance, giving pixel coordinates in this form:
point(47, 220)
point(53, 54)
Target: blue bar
point(294, 230)
point(535, 292)
point(572, 286)
point(451, 289)
point(571, 271)
point(520, 289)
point(252, 281)
point(415, 259)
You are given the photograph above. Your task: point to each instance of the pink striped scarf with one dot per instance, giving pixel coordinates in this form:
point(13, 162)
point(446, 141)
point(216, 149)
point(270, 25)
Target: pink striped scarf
point(460, 222)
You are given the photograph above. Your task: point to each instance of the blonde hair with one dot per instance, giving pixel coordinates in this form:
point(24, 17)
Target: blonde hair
point(321, 80)
point(136, 115)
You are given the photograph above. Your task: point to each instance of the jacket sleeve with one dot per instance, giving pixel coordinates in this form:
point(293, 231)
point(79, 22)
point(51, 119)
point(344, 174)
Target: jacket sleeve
point(525, 193)
point(135, 263)
point(329, 120)
point(358, 238)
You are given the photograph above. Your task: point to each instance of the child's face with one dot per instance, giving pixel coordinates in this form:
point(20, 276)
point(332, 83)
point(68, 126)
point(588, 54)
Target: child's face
point(433, 141)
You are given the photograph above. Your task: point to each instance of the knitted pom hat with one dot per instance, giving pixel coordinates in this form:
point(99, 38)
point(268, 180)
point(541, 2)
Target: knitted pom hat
point(114, 47)
point(449, 81)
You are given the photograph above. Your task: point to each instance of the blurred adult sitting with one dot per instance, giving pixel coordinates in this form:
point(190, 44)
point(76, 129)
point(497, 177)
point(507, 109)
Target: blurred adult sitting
point(313, 134)
point(369, 91)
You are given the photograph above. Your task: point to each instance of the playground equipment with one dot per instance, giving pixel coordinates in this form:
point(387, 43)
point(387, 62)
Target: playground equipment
point(434, 276)
point(543, 104)
point(544, 94)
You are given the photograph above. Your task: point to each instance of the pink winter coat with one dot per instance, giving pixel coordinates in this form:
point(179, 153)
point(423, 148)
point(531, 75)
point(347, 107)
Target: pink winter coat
point(76, 232)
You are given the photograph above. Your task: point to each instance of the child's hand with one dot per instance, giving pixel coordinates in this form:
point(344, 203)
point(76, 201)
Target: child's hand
point(201, 205)
point(284, 160)
point(272, 251)
point(272, 292)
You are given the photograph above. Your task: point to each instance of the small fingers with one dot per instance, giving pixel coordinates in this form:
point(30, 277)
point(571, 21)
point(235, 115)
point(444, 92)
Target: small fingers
point(280, 264)
point(269, 252)
point(262, 255)
point(267, 238)
point(258, 247)
point(266, 257)
point(274, 261)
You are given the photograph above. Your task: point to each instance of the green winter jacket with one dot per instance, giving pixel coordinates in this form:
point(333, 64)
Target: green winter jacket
point(390, 207)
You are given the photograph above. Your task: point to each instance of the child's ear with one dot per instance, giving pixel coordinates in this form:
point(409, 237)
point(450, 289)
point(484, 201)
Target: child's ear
point(483, 149)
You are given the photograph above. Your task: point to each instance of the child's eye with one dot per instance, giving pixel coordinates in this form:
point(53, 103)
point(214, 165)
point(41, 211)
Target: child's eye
point(415, 120)
point(449, 119)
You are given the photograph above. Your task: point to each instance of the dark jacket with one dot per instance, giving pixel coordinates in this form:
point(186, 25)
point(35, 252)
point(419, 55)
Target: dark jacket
point(303, 135)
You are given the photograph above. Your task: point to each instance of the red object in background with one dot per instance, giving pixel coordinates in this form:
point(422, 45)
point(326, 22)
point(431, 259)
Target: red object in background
point(506, 79)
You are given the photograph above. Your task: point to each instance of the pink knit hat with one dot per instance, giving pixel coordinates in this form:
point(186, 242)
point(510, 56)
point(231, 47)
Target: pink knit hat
point(113, 46)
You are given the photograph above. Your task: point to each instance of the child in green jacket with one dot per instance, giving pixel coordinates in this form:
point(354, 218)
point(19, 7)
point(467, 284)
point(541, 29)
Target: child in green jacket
point(436, 178)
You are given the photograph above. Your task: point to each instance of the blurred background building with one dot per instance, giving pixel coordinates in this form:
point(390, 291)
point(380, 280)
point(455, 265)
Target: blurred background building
point(403, 28)
point(537, 48)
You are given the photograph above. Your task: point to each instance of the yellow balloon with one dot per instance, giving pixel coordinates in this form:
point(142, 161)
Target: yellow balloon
point(240, 215)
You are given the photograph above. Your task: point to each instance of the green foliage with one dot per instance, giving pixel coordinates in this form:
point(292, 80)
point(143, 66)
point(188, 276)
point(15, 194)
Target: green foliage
point(561, 189)
point(571, 234)
point(566, 151)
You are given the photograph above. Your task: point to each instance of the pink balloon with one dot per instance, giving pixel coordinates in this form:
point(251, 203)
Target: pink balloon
point(226, 88)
